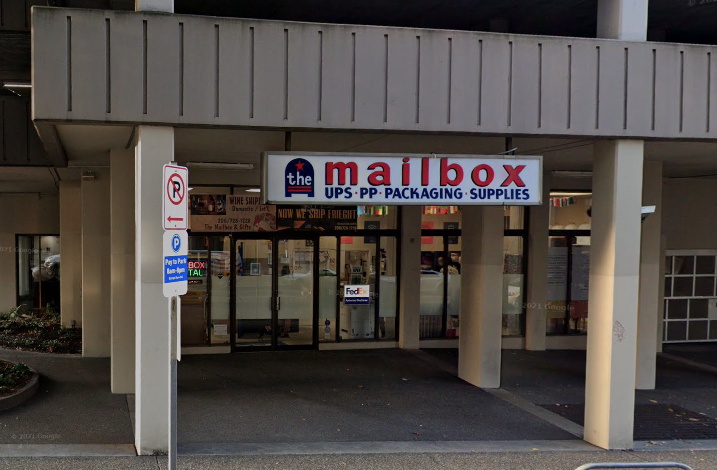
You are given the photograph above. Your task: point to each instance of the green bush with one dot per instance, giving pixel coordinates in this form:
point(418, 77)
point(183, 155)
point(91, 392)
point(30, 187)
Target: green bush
point(12, 375)
point(20, 329)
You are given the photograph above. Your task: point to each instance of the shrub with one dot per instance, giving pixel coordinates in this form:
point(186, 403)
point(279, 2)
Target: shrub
point(12, 375)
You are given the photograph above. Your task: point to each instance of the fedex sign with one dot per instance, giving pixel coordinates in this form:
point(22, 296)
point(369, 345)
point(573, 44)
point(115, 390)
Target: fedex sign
point(400, 179)
point(356, 295)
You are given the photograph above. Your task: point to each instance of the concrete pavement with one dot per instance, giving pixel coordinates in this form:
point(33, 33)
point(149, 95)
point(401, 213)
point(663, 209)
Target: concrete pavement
point(534, 460)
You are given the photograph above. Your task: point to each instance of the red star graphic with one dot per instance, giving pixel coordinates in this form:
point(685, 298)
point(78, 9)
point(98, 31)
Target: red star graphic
point(300, 166)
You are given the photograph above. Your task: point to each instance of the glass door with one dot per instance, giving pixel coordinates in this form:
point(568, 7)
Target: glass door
point(254, 298)
point(358, 314)
point(295, 299)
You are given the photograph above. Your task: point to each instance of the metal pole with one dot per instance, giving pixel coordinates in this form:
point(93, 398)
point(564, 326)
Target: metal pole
point(173, 310)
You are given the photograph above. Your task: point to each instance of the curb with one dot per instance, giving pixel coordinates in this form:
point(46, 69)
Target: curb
point(22, 395)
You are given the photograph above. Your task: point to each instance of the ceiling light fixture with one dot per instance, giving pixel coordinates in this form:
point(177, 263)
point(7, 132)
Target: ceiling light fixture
point(253, 190)
point(17, 85)
point(572, 174)
point(221, 166)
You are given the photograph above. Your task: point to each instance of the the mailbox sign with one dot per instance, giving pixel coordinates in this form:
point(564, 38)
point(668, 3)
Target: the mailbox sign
point(395, 179)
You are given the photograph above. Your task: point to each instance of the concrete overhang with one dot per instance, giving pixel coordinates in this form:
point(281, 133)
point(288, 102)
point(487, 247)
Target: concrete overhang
point(118, 67)
point(231, 87)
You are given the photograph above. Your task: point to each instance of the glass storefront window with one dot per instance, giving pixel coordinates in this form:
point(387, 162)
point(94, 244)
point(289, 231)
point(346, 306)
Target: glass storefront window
point(38, 272)
point(295, 292)
point(388, 288)
point(568, 284)
point(376, 217)
point(570, 210)
point(205, 306)
point(328, 293)
point(441, 218)
point(514, 218)
point(253, 293)
point(440, 292)
point(358, 258)
point(513, 286)
point(432, 296)
point(220, 286)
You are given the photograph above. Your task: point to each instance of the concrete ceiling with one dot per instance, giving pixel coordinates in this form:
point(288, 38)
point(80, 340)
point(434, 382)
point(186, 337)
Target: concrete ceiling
point(29, 180)
point(88, 146)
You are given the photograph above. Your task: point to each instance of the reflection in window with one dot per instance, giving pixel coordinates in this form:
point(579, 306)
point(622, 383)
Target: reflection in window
point(38, 273)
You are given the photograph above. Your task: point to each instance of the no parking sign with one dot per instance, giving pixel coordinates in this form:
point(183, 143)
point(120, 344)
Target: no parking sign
point(174, 190)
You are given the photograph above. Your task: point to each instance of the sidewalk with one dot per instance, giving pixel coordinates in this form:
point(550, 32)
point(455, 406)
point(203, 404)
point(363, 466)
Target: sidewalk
point(74, 404)
point(536, 460)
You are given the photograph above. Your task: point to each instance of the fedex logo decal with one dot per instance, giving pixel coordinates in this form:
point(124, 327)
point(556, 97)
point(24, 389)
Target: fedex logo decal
point(357, 295)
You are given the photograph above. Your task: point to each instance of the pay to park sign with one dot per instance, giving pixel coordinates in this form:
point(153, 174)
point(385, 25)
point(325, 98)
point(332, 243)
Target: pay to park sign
point(399, 179)
point(174, 221)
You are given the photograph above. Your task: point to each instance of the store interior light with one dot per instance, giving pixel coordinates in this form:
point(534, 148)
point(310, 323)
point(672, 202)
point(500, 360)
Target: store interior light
point(567, 194)
point(17, 85)
point(221, 166)
point(253, 190)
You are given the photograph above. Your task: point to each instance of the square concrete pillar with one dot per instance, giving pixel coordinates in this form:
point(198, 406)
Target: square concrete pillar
point(651, 283)
point(155, 148)
point(537, 278)
point(122, 278)
point(481, 290)
point(96, 264)
point(613, 298)
point(71, 250)
point(622, 19)
point(410, 283)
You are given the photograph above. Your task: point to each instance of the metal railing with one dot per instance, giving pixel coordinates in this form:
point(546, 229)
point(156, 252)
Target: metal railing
point(591, 466)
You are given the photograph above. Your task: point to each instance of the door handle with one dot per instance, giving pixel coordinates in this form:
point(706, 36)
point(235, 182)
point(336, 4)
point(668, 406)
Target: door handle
point(278, 303)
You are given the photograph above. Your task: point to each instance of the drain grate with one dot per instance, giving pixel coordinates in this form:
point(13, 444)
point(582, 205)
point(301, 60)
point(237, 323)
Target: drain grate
point(654, 422)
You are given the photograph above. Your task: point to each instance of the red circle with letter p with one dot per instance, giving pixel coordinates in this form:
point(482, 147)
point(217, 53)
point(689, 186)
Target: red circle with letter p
point(175, 189)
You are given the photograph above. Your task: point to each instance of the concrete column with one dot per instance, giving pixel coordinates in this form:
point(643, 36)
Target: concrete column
point(410, 286)
point(96, 264)
point(165, 6)
point(622, 19)
point(122, 261)
point(155, 148)
point(537, 276)
point(481, 289)
point(651, 283)
point(71, 252)
point(613, 300)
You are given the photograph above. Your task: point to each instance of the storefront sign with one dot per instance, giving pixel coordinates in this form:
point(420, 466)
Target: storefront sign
point(315, 218)
point(230, 213)
point(197, 268)
point(396, 179)
point(356, 295)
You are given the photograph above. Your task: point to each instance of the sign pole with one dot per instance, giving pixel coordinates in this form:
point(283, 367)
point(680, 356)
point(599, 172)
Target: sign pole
point(172, 463)
point(175, 265)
